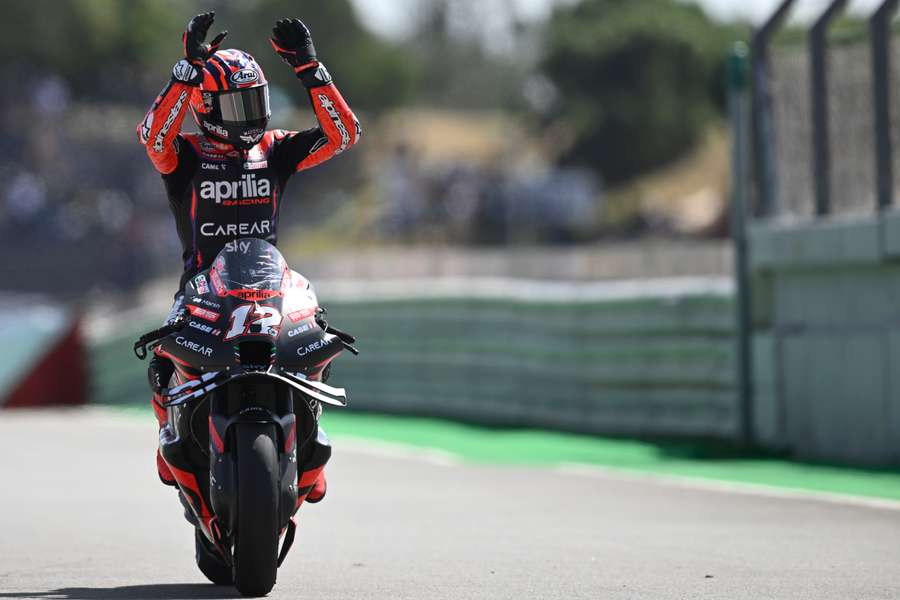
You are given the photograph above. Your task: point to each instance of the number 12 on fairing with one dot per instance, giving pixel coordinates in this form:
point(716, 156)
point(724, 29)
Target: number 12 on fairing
point(265, 320)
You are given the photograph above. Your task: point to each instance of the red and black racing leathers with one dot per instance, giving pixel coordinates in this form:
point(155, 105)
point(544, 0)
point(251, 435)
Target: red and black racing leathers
point(219, 194)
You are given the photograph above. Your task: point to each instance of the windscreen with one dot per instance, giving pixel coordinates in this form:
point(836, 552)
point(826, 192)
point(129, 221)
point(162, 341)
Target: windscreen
point(246, 265)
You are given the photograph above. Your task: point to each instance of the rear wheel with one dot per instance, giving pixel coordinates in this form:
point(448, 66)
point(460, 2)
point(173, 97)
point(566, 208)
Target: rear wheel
point(211, 564)
point(256, 531)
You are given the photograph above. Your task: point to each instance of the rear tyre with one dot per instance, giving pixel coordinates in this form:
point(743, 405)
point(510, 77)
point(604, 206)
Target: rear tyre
point(256, 531)
point(211, 564)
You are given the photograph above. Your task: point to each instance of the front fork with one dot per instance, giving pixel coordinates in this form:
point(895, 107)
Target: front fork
point(294, 488)
point(223, 467)
point(212, 499)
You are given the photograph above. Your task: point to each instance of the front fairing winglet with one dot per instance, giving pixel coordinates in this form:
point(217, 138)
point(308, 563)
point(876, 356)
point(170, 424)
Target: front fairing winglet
point(208, 382)
point(322, 387)
point(317, 390)
point(193, 388)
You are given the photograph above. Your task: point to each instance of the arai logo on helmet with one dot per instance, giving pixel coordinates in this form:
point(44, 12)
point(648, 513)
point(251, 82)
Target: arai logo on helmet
point(244, 76)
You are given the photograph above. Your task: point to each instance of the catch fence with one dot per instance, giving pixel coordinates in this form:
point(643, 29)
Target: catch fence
point(819, 268)
point(825, 132)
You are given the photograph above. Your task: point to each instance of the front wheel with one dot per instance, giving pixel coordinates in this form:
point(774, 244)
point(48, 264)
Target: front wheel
point(256, 531)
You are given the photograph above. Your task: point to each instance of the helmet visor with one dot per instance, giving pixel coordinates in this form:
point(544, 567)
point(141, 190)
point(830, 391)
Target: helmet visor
point(247, 106)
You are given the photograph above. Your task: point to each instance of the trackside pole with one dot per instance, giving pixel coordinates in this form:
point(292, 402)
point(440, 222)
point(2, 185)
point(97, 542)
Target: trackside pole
point(739, 115)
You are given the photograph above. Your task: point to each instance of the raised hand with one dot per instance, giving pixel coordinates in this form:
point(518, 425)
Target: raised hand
point(292, 41)
point(196, 50)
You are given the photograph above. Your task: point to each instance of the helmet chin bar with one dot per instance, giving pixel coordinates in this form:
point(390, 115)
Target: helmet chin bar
point(240, 137)
point(250, 137)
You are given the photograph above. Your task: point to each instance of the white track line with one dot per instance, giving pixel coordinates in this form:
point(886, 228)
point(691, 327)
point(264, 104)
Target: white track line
point(727, 487)
point(443, 458)
point(361, 445)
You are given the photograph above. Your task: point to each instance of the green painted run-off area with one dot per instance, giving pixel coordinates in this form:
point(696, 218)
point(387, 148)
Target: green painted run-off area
point(542, 448)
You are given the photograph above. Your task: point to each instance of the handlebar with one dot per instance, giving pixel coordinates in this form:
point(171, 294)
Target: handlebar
point(151, 337)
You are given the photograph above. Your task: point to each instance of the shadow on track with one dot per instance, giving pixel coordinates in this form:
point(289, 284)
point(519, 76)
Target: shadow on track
point(171, 591)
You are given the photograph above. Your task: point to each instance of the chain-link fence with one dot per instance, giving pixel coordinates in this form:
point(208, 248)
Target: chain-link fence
point(851, 125)
point(791, 130)
point(893, 87)
point(827, 93)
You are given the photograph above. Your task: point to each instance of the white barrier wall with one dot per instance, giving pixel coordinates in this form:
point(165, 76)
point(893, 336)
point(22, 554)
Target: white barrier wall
point(827, 338)
point(651, 357)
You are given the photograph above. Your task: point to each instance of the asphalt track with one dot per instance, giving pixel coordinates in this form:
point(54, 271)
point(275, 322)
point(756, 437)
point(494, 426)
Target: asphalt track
point(82, 516)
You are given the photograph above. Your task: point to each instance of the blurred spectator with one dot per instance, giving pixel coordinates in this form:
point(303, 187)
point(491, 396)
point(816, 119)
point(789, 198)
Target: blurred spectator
point(464, 202)
point(25, 198)
point(403, 189)
point(51, 96)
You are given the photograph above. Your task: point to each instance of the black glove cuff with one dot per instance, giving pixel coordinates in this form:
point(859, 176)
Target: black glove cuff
point(314, 76)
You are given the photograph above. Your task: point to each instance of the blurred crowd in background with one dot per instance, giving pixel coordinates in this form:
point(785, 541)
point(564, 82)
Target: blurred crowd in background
point(482, 127)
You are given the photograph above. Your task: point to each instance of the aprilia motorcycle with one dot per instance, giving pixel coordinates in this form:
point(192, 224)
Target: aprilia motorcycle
point(252, 351)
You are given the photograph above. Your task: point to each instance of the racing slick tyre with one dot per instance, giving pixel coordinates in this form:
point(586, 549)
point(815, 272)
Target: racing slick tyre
point(256, 530)
point(209, 561)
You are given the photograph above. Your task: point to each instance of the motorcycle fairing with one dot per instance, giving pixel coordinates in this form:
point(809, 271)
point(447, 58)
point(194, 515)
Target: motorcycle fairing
point(211, 338)
point(251, 346)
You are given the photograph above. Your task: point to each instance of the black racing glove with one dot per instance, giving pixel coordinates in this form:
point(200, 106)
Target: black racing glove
point(196, 50)
point(293, 43)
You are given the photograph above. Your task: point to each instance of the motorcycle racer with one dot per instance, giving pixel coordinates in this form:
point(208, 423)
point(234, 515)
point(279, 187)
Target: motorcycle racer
point(228, 181)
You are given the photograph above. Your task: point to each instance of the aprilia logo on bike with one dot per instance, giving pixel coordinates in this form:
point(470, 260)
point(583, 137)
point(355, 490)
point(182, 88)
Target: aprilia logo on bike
point(247, 187)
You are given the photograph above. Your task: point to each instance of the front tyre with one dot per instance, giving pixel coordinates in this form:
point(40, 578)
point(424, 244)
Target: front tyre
point(256, 531)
